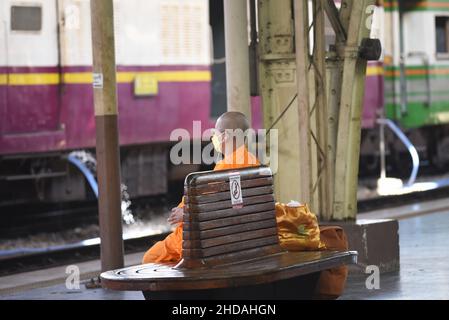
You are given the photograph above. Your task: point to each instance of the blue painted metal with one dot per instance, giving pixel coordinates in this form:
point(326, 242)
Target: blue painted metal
point(85, 171)
point(410, 147)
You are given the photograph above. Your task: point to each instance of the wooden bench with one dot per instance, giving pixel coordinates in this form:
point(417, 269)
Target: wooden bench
point(230, 246)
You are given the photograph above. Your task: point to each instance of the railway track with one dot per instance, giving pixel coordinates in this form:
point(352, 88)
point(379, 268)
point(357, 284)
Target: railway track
point(30, 218)
point(25, 219)
point(398, 200)
point(18, 261)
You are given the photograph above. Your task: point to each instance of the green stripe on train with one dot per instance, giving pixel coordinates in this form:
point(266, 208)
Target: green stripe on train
point(419, 94)
point(432, 5)
point(420, 77)
point(419, 114)
point(440, 68)
point(420, 9)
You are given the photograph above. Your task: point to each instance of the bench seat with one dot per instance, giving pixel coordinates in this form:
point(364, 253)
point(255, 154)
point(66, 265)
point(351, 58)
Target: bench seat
point(230, 247)
point(269, 269)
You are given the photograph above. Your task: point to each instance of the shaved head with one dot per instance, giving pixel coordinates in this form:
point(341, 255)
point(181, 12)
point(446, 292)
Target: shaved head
point(234, 125)
point(232, 120)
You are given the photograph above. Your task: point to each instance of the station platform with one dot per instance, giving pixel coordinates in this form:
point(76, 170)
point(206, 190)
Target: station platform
point(423, 274)
point(424, 268)
point(49, 284)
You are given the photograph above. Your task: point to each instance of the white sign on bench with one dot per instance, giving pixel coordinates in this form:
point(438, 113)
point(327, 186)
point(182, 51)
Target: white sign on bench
point(235, 188)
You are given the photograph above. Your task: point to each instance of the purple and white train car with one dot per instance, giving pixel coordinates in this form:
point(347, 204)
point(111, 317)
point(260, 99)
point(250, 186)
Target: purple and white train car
point(163, 56)
point(170, 72)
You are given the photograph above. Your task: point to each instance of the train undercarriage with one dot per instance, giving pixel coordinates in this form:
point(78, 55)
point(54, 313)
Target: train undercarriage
point(146, 169)
point(431, 143)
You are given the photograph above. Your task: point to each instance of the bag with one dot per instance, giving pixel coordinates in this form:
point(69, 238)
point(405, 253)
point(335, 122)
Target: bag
point(298, 228)
point(332, 282)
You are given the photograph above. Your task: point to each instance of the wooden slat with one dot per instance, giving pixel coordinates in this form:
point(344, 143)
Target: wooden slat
point(206, 177)
point(224, 186)
point(206, 225)
point(227, 239)
point(206, 234)
point(208, 208)
point(221, 214)
point(220, 196)
point(243, 255)
point(228, 248)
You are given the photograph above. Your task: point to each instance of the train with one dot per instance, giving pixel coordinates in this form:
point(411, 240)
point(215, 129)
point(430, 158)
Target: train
point(163, 56)
point(413, 78)
point(171, 71)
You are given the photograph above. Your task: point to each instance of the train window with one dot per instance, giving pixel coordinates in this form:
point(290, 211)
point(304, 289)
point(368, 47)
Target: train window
point(442, 35)
point(26, 18)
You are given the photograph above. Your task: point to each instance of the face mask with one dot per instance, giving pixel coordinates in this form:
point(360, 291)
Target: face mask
point(216, 141)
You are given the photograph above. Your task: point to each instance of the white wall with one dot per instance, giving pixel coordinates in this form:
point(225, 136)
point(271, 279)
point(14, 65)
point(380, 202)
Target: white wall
point(156, 32)
point(147, 32)
point(3, 34)
point(75, 28)
point(25, 48)
point(419, 35)
point(137, 28)
point(184, 32)
point(378, 27)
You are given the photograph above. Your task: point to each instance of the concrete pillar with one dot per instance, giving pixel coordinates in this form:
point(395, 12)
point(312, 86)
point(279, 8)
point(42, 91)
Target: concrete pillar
point(237, 56)
point(107, 144)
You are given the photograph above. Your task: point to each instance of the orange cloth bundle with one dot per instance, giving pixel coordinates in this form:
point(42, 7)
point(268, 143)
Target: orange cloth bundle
point(297, 227)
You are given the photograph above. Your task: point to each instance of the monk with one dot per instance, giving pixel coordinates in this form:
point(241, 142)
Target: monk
point(235, 156)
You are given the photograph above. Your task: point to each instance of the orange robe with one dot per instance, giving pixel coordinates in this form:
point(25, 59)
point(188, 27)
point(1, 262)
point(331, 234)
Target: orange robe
point(170, 249)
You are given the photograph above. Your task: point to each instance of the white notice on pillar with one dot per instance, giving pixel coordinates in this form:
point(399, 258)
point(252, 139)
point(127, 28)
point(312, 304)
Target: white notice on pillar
point(235, 188)
point(97, 80)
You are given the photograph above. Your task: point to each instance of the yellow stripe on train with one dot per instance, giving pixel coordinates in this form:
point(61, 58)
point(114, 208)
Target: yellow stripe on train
point(375, 71)
point(3, 79)
point(27, 79)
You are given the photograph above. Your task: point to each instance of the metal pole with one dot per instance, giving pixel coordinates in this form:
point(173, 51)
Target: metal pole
point(324, 156)
point(302, 71)
point(383, 170)
point(349, 123)
point(402, 67)
point(237, 56)
point(253, 51)
point(107, 145)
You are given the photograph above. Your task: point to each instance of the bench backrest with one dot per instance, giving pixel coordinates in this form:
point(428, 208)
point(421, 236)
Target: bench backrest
point(229, 216)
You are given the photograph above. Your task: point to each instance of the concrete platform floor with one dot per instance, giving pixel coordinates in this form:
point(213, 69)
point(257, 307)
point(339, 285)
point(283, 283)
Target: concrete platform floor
point(424, 271)
point(27, 281)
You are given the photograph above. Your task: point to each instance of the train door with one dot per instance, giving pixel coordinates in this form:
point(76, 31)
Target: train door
point(31, 71)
